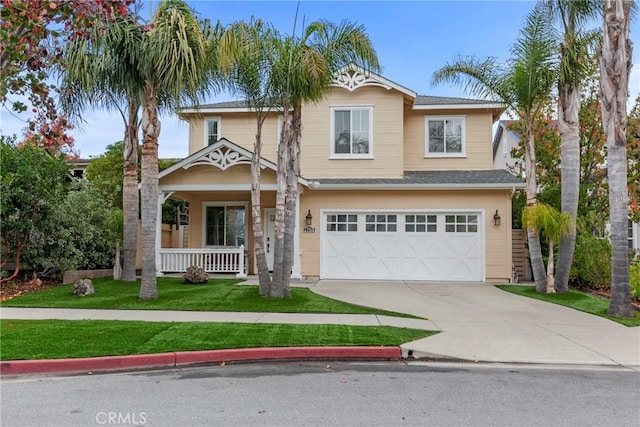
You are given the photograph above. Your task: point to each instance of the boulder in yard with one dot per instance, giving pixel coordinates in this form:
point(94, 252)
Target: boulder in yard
point(195, 275)
point(83, 287)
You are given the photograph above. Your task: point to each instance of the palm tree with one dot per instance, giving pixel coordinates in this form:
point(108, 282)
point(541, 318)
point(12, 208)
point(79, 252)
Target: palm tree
point(303, 72)
point(574, 67)
point(615, 66)
point(172, 58)
point(101, 72)
point(524, 86)
point(168, 64)
point(246, 55)
point(548, 222)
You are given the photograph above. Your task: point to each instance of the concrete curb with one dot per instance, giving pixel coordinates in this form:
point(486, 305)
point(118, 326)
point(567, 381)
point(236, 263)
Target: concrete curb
point(185, 358)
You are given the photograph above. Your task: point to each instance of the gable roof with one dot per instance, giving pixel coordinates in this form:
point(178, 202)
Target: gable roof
point(426, 102)
point(223, 155)
point(353, 77)
point(427, 180)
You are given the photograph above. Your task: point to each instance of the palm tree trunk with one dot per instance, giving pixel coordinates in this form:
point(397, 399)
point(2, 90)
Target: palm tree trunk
point(569, 126)
point(533, 239)
point(615, 66)
point(117, 265)
point(277, 289)
point(149, 193)
point(264, 279)
point(551, 288)
point(130, 194)
point(292, 198)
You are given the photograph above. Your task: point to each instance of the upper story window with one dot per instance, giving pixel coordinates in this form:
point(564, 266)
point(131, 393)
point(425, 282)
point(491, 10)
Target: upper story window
point(212, 130)
point(445, 136)
point(351, 132)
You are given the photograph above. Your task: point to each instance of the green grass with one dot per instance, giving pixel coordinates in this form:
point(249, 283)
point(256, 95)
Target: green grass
point(574, 299)
point(55, 339)
point(217, 295)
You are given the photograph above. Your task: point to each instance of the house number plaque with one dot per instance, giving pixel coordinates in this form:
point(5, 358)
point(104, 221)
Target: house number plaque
point(309, 230)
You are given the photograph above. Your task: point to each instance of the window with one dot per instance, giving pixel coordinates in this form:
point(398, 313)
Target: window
point(212, 131)
point(351, 130)
point(342, 222)
point(445, 136)
point(461, 223)
point(381, 223)
point(225, 225)
point(420, 223)
point(630, 233)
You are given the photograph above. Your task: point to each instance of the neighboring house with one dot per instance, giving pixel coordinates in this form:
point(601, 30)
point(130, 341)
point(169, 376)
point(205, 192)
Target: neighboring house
point(504, 141)
point(394, 186)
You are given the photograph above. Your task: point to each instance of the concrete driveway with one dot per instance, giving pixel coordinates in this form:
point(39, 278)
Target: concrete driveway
point(481, 322)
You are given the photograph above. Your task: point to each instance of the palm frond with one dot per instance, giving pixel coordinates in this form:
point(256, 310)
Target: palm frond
point(484, 78)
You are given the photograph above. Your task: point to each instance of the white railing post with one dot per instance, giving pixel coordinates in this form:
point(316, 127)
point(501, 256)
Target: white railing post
point(241, 267)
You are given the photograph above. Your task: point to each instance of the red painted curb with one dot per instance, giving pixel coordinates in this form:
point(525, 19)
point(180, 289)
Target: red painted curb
point(183, 358)
point(106, 363)
point(280, 353)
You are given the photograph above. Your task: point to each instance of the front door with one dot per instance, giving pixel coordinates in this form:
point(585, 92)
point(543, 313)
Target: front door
point(269, 235)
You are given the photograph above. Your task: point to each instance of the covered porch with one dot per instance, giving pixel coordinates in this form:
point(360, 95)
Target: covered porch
point(217, 232)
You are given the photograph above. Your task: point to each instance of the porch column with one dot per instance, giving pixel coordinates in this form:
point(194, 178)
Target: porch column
point(295, 268)
point(161, 198)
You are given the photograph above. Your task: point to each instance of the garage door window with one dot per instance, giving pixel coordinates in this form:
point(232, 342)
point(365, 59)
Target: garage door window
point(461, 223)
point(342, 222)
point(420, 223)
point(381, 223)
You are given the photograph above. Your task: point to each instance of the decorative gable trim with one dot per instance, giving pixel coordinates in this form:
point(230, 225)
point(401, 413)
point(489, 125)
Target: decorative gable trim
point(223, 158)
point(352, 77)
point(223, 155)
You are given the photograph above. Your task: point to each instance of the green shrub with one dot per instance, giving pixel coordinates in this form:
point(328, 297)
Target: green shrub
point(592, 258)
point(634, 280)
point(80, 235)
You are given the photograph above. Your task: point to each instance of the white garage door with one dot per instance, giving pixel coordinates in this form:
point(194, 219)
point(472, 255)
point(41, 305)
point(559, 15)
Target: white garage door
point(402, 246)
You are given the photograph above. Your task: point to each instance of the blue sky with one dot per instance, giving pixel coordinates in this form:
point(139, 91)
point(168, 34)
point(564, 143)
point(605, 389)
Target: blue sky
point(412, 39)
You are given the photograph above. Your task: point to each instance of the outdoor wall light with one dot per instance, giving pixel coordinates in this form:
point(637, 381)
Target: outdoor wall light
point(308, 218)
point(496, 218)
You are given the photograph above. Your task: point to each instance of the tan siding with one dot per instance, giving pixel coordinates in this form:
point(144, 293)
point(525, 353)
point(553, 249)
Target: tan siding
point(478, 142)
point(387, 135)
point(497, 239)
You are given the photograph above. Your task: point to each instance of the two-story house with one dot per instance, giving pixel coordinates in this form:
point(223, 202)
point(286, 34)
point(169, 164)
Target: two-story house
point(394, 185)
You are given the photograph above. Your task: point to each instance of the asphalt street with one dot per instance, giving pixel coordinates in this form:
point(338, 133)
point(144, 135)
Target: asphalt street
point(330, 394)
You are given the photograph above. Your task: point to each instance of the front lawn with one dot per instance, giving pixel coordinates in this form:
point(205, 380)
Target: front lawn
point(57, 339)
point(217, 295)
point(574, 299)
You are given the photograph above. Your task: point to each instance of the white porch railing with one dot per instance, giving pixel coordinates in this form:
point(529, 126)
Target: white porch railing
point(220, 259)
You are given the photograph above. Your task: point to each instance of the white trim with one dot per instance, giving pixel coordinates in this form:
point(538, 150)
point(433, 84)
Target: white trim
point(225, 204)
point(217, 110)
point(453, 186)
point(332, 110)
point(457, 106)
point(206, 129)
point(444, 118)
point(214, 187)
point(474, 211)
point(159, 201)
